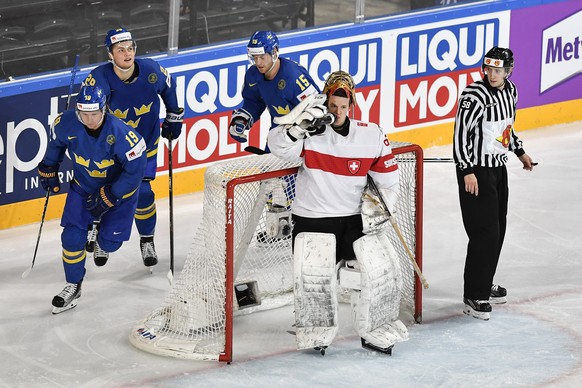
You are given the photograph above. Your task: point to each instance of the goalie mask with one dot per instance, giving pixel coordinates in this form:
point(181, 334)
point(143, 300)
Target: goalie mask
point(91, 99)
point(499, 57)
point(340, 80)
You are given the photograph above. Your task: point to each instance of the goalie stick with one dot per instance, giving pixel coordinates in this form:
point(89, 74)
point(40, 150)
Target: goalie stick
point(375, 189)
point(48, 192)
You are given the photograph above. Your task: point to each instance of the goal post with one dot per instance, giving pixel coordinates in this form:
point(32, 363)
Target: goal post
point(240, 260)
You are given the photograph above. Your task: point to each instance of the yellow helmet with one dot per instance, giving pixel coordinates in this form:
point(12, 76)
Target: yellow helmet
point(340, 80)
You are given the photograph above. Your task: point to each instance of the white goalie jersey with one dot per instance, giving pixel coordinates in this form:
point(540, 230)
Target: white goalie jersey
point(334, 171)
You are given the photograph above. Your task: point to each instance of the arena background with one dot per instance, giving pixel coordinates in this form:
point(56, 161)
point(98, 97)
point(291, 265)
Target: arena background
point(409, 68)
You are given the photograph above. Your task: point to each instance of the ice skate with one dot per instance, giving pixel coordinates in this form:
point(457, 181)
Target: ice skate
point(380, 340)
point(67, 298)
point(100, 256)
point(148, 251)
point(477, 308)
point(92, 236)
point(498, 295)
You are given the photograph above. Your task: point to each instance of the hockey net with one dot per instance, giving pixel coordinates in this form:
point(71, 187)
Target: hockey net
point(241, 260)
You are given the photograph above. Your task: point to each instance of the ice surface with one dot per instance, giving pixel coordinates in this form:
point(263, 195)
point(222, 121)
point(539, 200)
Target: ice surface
point(533, 340)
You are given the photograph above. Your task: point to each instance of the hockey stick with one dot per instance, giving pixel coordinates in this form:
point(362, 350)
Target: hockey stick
point(398, 232)
point(171, 200)
point(255, 150)
point(48, 192)
point(46, 200)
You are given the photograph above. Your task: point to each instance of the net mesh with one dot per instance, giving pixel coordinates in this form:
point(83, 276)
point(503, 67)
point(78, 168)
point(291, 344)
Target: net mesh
point(192, 321)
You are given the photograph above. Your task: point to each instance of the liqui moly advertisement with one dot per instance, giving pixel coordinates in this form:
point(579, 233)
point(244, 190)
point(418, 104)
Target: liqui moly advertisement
point(409, 73)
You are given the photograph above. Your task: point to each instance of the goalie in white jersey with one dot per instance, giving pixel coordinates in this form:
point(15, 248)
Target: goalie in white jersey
point(336, 221)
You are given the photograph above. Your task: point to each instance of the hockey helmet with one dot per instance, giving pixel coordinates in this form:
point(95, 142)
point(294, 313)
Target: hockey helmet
point(499, 57)
point(91, 98)
point(263, 42)
point(340, 80)
point(117, 35)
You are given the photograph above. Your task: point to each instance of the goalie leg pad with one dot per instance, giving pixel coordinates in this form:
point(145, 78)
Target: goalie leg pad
point(375, 308)
point(315, 290)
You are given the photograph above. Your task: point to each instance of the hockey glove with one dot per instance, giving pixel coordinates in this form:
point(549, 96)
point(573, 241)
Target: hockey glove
point(294, 117)
point(49, 177)
point(241, 122)
point(313, 128)
point(101, 201)
point(172, 125)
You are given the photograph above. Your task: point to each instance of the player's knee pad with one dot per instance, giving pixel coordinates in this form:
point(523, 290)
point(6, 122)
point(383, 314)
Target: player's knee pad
point(376, 306)
point(315, 290)
point(73, 238)
point(108, 245)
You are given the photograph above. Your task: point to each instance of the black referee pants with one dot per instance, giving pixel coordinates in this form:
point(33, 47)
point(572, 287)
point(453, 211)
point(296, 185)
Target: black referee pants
point(485, 220)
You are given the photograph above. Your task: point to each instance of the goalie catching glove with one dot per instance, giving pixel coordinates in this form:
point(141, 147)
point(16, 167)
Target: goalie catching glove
point(241, 122)
point(101, 201)
point(308, 118)
point(172, 125)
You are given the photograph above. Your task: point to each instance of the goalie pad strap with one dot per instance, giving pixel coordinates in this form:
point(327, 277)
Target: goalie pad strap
point(315, 290)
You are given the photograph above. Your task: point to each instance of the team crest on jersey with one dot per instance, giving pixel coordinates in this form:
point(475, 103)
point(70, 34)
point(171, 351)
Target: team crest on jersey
point(281, 85)
point(354, 166)
point(152, 78)
point(110, 139)
point(505, 136)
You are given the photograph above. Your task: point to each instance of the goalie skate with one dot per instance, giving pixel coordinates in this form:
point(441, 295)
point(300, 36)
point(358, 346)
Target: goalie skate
point(67, 298)
point(371, 346)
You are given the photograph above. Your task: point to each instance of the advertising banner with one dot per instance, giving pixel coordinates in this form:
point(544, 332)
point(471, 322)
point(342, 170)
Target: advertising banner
point(409, 73)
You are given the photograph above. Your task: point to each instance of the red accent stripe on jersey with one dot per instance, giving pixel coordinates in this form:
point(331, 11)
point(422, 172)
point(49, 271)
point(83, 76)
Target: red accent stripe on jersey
point(386, 163)
point(336, 164)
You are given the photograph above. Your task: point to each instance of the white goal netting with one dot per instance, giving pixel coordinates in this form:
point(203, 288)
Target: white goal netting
point(240, 260)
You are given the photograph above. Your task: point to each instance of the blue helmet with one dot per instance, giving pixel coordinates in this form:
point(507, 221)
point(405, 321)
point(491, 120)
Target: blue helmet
point(91, 98)
point(263, 42)
point(117, 35)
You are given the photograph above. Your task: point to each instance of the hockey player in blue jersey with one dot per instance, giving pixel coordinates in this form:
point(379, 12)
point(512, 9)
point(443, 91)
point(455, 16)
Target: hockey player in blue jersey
point(273, 83)
point(132, 86)
point(109, 162)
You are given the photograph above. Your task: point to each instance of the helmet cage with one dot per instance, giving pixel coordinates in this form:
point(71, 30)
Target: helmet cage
point(340, 80)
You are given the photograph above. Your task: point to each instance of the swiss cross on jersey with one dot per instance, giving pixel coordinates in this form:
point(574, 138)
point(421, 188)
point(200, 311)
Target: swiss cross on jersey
point(354, 166)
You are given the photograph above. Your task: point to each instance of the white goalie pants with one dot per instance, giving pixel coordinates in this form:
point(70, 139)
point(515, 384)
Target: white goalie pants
point(376, 305)
point(315, 292)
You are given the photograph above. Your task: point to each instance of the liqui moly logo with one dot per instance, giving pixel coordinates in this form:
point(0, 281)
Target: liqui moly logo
point(434, 67)
point(561, 52)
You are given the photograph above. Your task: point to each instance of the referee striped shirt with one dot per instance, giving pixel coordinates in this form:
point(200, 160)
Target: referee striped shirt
point(484, 130)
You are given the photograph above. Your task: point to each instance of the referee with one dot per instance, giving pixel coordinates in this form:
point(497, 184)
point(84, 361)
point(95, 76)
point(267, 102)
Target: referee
point(484, 134)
